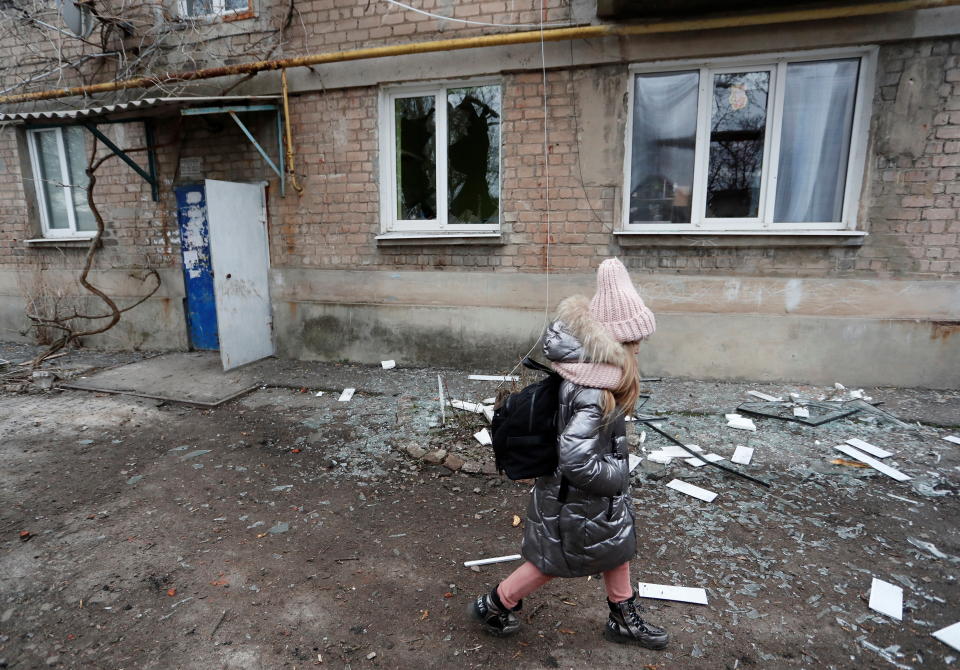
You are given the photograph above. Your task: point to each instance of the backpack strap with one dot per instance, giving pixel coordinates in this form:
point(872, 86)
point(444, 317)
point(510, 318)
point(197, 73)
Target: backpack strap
point(539, 367)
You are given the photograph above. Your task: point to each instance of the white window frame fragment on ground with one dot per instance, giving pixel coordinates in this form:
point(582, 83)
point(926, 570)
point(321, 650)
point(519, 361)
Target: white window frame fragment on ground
point(389, 171)
point(70, 191)
point(763, 223)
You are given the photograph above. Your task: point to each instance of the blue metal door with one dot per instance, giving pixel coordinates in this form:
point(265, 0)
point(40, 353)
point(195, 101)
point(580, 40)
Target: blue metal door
point(197, 268)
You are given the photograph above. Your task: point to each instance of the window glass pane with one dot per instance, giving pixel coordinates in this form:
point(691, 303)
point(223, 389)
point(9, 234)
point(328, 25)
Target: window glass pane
point(75, 141)
point(416, 158)
point(662, 151)
point(473, 154)
point(236, 5)
point(737, 128)
point(51, 178)
point(815, 141)
point(198, 7)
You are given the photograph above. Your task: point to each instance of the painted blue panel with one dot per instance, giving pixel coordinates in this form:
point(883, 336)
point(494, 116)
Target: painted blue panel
point(197, 269)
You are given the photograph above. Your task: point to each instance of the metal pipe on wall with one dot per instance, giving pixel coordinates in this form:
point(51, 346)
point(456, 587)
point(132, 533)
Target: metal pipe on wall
point(502, 39)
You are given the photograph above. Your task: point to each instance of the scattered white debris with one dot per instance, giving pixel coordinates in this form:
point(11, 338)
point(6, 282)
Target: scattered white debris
point(858, 394)
point(886, 598)
point(347, 394)
point(929, 547)
point(494, 378)
point(952, 438)
point(869, 448)
point(950, 635)
point(467, 406)
point(488, 412)
point(666, 454)
point(282, 487)
point(488, 561)
point(634, 461)
point(628, 418)
point(683, 594)
point(907, 500)
point(318, 393)
point(742, 455)
point(839, 386)
point(801, 412)
point(443, 410)
point(388, 365)
point(740, 422)
point(483, 437)
point(643, 436)
point(691, 490)
point(764, 396)
point(872, 462)
point(489, 401)
point(709, 458)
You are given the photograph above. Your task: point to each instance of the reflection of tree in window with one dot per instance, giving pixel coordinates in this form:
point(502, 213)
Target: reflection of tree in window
point(416, 141)
point(738, 126)
point(473, 161)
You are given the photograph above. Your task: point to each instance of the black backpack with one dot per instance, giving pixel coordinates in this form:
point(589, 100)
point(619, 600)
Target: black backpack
point(525, 427)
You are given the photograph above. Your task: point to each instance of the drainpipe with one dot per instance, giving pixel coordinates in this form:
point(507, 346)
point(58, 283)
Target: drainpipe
point(291, 171)
point(526, 37)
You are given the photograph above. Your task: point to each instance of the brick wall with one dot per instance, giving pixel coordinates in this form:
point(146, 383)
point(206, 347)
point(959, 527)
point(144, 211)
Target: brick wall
point(910, 202)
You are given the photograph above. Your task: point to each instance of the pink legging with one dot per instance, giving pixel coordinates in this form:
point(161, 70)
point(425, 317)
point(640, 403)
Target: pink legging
point(527, 578)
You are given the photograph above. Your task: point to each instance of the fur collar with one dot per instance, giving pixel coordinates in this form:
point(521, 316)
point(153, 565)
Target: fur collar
point(599, 346)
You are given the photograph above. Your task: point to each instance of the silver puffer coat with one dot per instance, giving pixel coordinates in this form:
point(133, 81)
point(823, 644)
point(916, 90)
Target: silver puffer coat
point(580, 520)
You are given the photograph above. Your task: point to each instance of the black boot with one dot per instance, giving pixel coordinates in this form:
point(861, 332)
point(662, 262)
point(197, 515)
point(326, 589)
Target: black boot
point(626, 626)
point(496, 618)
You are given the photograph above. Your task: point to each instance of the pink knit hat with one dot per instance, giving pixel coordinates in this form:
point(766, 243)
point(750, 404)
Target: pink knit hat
point(618, 307)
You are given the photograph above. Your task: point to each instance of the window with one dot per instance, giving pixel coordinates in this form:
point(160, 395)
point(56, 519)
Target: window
point(196, 9)
point(59, 160)
point(760, 145)
point(440, 158)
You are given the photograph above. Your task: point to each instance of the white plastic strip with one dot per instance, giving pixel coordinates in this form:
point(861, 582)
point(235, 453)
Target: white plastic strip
point(950, 635)
point(683, 594)
point(709, 458)
point(467, 406)
point(764, 396)
point(347, 394)
point(742, 455)
point(869, 448)
point(634, 461)
point(388, 365)
point(494, 378)
point(691, 490)
point(886, 598)
point(488, 561)
point(872, 462)
point(483, 437)
point(801, 412)
point(952, 438)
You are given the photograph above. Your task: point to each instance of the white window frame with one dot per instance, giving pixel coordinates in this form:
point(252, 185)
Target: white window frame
point(776, 63)
point(388, 174)
point(218, 9)
point(66, 185)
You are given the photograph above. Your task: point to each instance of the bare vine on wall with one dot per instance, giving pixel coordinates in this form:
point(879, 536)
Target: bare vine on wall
point(128, 39)
point(69, 327)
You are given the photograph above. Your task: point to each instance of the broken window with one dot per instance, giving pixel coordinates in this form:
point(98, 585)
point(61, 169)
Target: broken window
point(441, 150)
point(59, 158)
point(738, 145)
point(195, 9)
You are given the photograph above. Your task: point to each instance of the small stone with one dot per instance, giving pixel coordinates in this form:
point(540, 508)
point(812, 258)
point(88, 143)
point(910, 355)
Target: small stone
point(53, 660)
point(372, 655)
point(134, 479)
point(281, 527)
point(435, 457)
point(471, 467)
point(475, 568)
point(489, 468)
point(415, 451)
point(453, 462)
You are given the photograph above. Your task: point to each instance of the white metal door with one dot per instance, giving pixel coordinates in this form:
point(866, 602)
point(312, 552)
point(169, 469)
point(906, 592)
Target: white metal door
point(241, 263)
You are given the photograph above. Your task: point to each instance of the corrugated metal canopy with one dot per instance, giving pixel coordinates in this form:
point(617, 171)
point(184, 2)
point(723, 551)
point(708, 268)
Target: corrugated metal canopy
point(147, 107)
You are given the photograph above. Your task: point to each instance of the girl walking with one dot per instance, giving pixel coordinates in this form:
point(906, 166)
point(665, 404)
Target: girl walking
point(580, 520)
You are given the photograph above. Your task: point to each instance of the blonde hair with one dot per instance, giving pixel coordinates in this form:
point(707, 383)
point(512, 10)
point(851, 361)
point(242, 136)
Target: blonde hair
point(628, 390)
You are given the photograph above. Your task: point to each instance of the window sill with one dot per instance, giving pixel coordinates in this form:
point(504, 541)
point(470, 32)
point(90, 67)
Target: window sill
point(59, 242)
point(741, 238)
point(405, 239)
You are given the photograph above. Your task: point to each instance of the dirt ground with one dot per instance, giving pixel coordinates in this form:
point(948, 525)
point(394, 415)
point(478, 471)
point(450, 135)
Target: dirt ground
point(289, 530)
